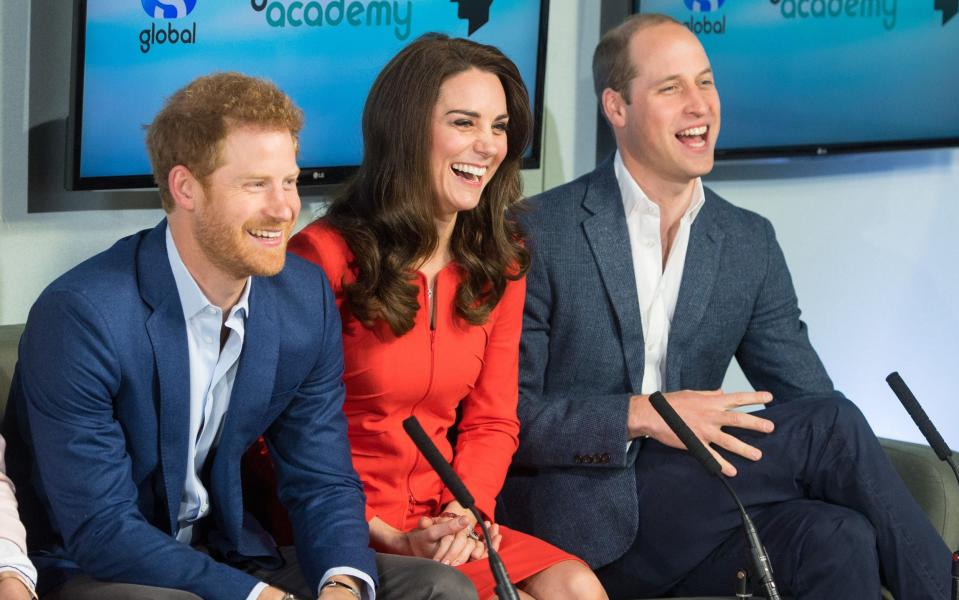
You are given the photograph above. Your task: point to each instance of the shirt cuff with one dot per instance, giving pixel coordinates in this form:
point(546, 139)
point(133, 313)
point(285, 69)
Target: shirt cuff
point(12, 558)
point(257, 589)
point(369, 590)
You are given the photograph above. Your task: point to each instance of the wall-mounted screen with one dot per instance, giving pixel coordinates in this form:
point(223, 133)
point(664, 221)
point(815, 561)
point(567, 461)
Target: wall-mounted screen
point(820, 76)
point(130, 55)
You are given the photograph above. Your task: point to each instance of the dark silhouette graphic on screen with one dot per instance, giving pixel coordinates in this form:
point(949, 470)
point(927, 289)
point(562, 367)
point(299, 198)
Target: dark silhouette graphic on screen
point(704, 5)
point(476, 12)
point(168, 9)
point(949, 9)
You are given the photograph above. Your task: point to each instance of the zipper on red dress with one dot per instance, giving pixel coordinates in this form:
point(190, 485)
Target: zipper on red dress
point(429, 388)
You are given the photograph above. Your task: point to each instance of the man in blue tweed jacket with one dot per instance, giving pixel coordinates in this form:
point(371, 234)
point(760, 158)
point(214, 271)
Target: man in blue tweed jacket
point(644, 280)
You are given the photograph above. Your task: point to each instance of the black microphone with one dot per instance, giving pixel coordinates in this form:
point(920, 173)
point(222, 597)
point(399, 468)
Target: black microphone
point(504, 588)
point(919, 416)
point(685, 434)
point(432, 454)
point(929, 431)
point(761, 564)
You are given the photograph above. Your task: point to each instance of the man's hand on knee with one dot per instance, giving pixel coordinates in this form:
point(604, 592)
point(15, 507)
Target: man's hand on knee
point(706, 413)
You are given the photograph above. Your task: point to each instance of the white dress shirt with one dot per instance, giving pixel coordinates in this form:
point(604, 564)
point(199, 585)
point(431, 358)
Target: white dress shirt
point(657, 287)
point(212, 373)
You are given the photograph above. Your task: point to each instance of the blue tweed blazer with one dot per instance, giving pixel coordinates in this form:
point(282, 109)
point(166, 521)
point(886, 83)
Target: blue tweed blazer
point(582, 352)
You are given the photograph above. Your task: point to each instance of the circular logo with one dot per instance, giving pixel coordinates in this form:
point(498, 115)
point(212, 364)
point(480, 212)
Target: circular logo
point(703, 5)
point(168, 9)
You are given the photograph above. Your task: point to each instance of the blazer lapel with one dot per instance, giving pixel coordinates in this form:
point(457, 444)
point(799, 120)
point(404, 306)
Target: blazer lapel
point(249, 400)
point(256, 370)
point(167, 332)
point(699, 275)
point(609, 240)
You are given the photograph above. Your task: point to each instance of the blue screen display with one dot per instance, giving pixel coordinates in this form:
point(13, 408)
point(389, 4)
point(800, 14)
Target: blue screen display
point(813, 73)
point(323, 53)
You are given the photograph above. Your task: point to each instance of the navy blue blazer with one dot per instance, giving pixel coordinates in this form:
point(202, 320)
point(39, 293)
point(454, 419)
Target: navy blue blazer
point(98, 427)
point(582, 352)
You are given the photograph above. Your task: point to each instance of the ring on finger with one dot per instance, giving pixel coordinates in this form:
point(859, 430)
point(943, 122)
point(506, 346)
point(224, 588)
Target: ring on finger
point(471, 534)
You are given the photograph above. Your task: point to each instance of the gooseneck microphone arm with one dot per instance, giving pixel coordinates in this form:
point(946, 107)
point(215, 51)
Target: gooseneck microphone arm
point(929, 431)
point(504, 588)
point(761, 565)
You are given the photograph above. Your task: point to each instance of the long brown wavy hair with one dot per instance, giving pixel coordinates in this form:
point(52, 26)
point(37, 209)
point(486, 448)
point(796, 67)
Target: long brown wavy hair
point(386, 212)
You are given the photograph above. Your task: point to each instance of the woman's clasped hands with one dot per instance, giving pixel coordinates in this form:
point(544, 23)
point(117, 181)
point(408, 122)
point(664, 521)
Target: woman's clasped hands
point(451, 538)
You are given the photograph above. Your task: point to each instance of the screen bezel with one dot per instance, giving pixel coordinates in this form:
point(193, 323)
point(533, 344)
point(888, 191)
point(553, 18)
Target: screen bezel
point(805, 150)
point(310, 175)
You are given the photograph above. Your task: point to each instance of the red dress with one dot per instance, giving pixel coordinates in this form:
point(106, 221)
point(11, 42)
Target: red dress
point(430, 373)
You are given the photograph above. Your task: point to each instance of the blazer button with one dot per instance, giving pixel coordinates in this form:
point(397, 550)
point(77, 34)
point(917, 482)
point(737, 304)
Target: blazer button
point(605, 457)
point(588, 459)
point(578, 459)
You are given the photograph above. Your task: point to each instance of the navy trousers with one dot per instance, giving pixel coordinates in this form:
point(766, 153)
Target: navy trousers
point(830, 508)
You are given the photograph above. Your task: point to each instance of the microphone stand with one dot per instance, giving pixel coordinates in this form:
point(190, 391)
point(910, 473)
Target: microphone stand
point(742, 585)
point(938, 445)
point(504, 587)
point(757, 551)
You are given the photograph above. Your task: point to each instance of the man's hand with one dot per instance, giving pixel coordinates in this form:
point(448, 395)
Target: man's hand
point(12, 588)
point(271, 593)
point(706, 413)
point(339, 592)
point(336, 593)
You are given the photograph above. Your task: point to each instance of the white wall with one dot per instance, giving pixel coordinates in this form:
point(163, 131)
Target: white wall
point(36, 248)
point(871, 243)
point(868, 238)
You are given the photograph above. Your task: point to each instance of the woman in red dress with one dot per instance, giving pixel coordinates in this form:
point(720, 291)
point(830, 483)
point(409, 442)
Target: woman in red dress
point(428, 271)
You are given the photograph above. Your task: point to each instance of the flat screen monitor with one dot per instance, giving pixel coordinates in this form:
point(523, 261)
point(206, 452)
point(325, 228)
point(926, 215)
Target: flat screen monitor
point(130, 55)
point(824, 76)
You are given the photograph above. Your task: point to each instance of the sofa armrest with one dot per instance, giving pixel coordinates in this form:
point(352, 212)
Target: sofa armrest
point(9, 339)
point(932, 483)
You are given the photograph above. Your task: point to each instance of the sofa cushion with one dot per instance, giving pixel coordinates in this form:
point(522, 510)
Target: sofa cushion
point(9, 338)
point(931, 482)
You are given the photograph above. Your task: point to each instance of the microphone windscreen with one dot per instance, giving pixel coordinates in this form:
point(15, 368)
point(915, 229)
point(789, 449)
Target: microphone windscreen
point(918, 415)
point(449, 477)
point(684, 433)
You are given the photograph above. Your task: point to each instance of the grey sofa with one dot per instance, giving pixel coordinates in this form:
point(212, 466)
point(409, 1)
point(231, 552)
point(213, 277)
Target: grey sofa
point(930, 480)
point(9, 336)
